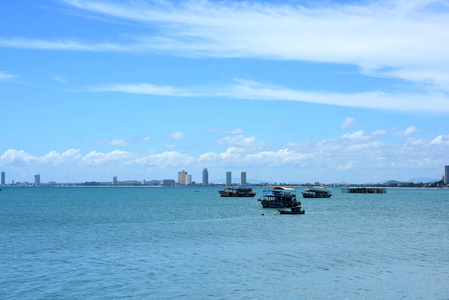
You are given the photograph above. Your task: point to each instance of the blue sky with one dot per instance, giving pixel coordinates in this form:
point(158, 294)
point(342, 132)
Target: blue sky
point(290, 91)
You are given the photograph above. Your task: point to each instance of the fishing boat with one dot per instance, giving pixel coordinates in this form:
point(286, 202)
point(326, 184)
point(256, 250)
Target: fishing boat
point(293, 211)
point(316, 193)
point(237, 191)
point(279, 197)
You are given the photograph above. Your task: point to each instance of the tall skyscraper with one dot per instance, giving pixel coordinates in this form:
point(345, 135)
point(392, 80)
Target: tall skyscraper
point(242, 178)
point(182, 177)
point(188, 179)
point(446, 175)
point(228, 178)
point(3, 178)
point(37, 179)
point(205, 177)
point(114, 180)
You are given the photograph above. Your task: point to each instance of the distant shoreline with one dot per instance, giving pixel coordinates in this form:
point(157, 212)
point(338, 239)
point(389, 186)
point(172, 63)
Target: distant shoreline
point(215, 186)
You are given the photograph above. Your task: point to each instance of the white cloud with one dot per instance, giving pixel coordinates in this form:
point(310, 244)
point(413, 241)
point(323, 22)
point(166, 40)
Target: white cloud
point(441, 140)
point(409, 131)
point(378, 100)
point(56, 158)
point(62, 45)
point(176, 136)
point(251, 90)
point(404, 39)
point(218, 130)
point(6, 76)
point(95, 158)
point(17, 158)
point(120, 143)
point(348, 122)
point(124, 142)
point(233, 131)
point(240, 141)
point(345, 156)
point(60, 79)
point(215, 130)
point(145, 89)
point(166, 159)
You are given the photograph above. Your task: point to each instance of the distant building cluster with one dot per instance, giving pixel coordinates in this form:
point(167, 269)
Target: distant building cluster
point(37, 181)
point(185, 179)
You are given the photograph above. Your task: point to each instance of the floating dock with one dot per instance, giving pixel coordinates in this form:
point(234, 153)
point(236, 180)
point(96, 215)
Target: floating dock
point(364, 190)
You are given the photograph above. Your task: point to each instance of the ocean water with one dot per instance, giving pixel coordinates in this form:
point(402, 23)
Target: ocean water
point(189, 243)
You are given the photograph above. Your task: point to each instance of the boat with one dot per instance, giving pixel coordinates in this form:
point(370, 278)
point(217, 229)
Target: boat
point(237, 191)
point(279, 197)
point(316, 193)
point(293, 211)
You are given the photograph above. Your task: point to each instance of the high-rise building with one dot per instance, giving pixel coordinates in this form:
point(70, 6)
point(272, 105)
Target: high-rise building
point(205, 177)
point(188, 179)
point(228, 178)
point(242, 178)
point(446, 175)
point(114, 180)
point(37, 179)
point(3, 178)
point(182, 177)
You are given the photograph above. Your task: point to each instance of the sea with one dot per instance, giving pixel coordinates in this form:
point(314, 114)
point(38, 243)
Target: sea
point(189, 243)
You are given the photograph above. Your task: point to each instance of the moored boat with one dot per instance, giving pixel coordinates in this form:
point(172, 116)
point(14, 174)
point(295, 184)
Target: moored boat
point(237, 192)
point(316, 193)
point(293, 211)
point(279, 197)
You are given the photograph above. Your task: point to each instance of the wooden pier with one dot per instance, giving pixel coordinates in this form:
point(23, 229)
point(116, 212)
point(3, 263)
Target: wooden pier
point(364, 190)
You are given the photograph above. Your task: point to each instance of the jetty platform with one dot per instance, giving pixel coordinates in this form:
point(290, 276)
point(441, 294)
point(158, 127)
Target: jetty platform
point(364, 190)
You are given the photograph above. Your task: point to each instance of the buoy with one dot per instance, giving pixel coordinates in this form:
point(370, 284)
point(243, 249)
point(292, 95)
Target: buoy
point(261, 214)
point(274, 213)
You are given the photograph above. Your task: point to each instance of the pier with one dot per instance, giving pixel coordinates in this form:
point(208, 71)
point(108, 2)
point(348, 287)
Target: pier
point(364, 190)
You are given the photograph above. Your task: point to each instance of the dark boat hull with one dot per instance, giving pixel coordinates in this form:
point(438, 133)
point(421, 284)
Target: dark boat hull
point(277, 204)
point(316, 196)
point(225, 194)
point(289, 212)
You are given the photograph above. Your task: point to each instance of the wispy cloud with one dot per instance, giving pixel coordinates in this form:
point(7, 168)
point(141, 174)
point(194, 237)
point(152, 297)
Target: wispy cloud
point(60, 79)
point(145, 89)
point(124, 142)
point(348, 122)
point(233, 131)
point(6, 76)
point(63, 45)
point(175, 136)
point(252, 90)
point(219, 130)
point(241, 141)
point(403, 39)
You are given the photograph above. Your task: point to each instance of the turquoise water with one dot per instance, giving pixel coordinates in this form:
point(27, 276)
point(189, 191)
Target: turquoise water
point(173, 243)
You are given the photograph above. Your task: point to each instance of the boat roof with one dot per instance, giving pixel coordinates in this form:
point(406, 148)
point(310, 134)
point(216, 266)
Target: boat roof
point(283, 188)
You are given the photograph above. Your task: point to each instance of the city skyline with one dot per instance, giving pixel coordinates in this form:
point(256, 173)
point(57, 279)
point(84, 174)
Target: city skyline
point(347, 91)
point(186, 179)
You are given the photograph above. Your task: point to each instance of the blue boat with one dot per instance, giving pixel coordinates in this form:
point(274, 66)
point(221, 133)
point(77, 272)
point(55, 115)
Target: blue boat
point(279, 197)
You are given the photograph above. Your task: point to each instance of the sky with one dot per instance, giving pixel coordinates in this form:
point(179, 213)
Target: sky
point(288, 91)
